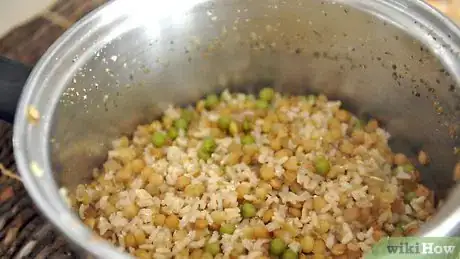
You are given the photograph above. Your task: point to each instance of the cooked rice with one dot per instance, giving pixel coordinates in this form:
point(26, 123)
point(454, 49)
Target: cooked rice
point(151, 200)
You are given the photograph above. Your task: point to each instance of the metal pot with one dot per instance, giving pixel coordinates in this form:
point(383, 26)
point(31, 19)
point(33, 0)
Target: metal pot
point(395, 60)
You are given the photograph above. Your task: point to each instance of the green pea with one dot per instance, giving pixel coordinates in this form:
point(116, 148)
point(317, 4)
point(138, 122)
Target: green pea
point(261, 104)
point(187, 115)
point(181, 124)
point(209, 144)
point(212, 248)
point(266, 94)
point(400, 226)
point(311, 98)
point(289, 254)
point(248, 210)
point(233, 128)
point(224, 122)
point(203, 154)
point(250, 97)
point(408, 168)
point(359, 124)
point(277, 246)
point(248, 139)
point(322, 165)
point(227, 229)
point(173, 133)
point(247, 125)
point(409, 197)
point(158, 139)
point(211, 101)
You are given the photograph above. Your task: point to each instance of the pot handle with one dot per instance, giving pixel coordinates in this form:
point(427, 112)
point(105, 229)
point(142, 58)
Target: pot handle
point(13, 76)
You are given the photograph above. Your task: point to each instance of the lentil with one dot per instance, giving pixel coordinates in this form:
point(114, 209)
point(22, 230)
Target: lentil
point(261, 232)
point(423, 158)
point(172, 221)
point(400, 159)
point(267, 216)
point(307, 244)
point(319, 247)
point(318, 203)
point(130, 211)
point(182, 182)
point(267, 172)
point(351, 214)
point(159, 219)
point(201, 223)
point(338, 249)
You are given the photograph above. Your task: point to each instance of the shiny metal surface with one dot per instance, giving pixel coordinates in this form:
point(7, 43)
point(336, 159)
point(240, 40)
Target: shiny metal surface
point(393, 60)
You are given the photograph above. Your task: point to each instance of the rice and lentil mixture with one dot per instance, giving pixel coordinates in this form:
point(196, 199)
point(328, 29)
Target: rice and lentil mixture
point(244, 176)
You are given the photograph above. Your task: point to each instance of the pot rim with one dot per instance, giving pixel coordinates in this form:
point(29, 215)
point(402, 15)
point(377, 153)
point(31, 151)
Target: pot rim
point(32, 150)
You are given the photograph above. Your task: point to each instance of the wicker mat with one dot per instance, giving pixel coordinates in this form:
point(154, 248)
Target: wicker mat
point(24, 233)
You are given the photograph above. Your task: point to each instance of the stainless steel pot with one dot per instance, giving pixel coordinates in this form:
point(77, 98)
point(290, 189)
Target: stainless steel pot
point(395, 60)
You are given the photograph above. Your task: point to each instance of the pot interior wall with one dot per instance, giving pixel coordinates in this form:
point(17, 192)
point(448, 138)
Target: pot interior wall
point(299, 47)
